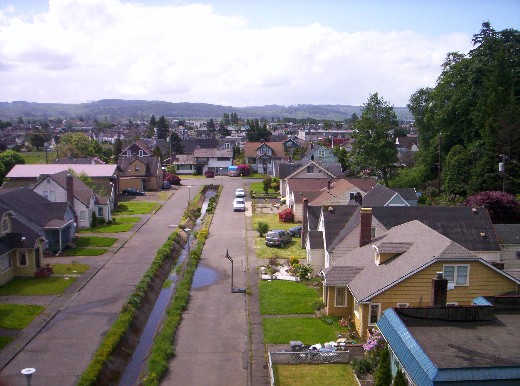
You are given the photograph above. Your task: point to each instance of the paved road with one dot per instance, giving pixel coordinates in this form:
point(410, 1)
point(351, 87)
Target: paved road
point(212, 344)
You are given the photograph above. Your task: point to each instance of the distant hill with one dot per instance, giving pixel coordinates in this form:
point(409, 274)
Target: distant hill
point(113, 109)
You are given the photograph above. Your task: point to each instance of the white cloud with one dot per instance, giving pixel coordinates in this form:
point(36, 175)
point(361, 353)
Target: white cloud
point(94, 49)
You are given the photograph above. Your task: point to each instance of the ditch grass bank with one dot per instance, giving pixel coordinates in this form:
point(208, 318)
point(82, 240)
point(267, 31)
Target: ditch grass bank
point(114, 352)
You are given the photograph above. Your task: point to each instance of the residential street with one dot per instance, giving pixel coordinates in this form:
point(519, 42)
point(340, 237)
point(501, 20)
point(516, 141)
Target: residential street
point(212, 346)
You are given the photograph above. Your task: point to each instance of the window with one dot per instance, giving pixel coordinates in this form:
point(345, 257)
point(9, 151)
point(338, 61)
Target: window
point(141, 153)
point(341, 297)
point(352, 195)
point(5, 225)
point(402, 305)
point(321, 153)
point(82, 215)
point(129, 153)
point(373, 232)
point(457, 274)
point(227, 145)
point(452, 304)
point(137, 168)
point(5, 262)
point(373, 315)
point(100, 211)
point(50, 195)
point(310, 169)
point(223, 158)
point(22, 259)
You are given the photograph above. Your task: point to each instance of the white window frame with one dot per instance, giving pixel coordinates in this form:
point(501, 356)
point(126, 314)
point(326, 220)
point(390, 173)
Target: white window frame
point(100, 211)
point(129, 153)
point(455, 266)
point(310, 169)
point(141, 153)
point(372, 232)
point(321, 153)
point(5, 262)
point(82, 215)
point(370, 313)
point(50, 195)
point(5, 225)
point(19, 254)
point(403, 305)
point(336, 304)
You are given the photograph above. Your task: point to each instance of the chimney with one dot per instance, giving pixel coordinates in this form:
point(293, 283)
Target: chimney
point(305, 224)
point(69, 183)
point(439, 290)
point(365, 228)
point(329, 184)
point(358, 198)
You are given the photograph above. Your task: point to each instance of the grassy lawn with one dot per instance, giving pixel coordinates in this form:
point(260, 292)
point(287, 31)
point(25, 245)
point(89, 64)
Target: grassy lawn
point(121, 224)
point(313, 375)
point(68, 269)
point(94, 241)
point(18, 316)
point(189, 176)
point(53, 285)
point(292, 249)
point(37, 157)
point(85, 252)
point(307, 330)
point(4, 341)
point(136, 207)
point(258, 188)
point(286, 297)
point(256, 175)
point(272, 221)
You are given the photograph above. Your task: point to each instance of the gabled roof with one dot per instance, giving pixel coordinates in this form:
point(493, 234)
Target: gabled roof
point(507, 233)
point(315, 239)
point(80, 191)
point(32, 206)
point(213, 153)
point(307, 184)
point(35, 170)
point(334, 220)
point(277, 147)
point(380, 195)
point(365, 184)
point(285, 169)
point(313, 216)
point(135, 146)
point(409, 194)
point(338, 187)
point(153, 164)
point(311, 163)
point(470, 227)
point(190, 144)
point(340, 275)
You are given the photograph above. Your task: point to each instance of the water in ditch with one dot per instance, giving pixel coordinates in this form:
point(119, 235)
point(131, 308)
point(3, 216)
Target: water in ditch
point(140, 355)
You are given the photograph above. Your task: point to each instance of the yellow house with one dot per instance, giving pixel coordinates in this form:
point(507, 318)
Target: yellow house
point(397, 269)
point(21, 249)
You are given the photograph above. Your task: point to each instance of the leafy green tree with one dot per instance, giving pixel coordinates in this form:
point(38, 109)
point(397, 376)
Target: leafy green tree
point(374, 147)
point(267, 184)
point(8, 159)
point(211, 125)
point(225, 119)
point(223, 131)
point(343, 157)
point(153, 121)
point(262, 228)
point(257, 132)
point(37, 140)
point(383, 375)
point(456, 171)
point(78, 145)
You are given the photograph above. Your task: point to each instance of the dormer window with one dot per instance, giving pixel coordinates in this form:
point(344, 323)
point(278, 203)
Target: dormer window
point(141, 153)
point(137, 168)
point(129, 153)
point(321, 153)
point(227, 145)
point(6, 225)
point(310, 169)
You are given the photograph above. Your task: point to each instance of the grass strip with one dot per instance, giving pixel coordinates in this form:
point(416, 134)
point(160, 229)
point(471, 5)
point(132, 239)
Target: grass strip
point(311, 375)
point(94, 241)
point(136, 207)
point(52, 285)
point(306, 330)
point(85, 252)
point(5, 340)
point(122, 324)
point(69, 269)
point(278, 297)
point(18, 316)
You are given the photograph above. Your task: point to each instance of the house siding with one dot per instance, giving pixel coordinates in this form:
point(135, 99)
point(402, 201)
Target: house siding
point(509, 256)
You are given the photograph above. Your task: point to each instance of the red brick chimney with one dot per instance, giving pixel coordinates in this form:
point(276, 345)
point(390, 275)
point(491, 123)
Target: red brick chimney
point(305, 224)
point(69, 183)
point(365, 228)
point(439, 291)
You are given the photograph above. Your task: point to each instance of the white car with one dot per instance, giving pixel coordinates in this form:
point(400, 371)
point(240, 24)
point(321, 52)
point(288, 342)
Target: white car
point(239, 205)
point(240, 193)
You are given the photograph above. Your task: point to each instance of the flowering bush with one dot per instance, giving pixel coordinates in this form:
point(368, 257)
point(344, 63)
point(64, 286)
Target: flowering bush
point(172, 178)
point(374, 346)
point(503, 207)
point(286, 215)
point(243, 169)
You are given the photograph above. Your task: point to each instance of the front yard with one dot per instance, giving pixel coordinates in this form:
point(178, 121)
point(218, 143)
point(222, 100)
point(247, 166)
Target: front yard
point(311, 375)
point(292, 249)
point(279, 297)
point(52, 285)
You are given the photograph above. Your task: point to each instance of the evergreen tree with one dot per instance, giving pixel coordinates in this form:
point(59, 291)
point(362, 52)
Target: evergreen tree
point(400, 379)
point(374, 146)
point(176, 143)
point(162, 128)
point(383, 375)
point(118, 148)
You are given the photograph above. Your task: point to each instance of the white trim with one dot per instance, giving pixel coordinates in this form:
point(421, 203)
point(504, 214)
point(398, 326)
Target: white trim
point(305, 166)
point(403, 305)
point(454, 282)
point(452, 304)
point(370, 312)
point(336, 297)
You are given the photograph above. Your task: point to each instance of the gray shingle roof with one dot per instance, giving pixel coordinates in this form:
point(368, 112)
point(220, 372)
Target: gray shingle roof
point(315, 239)
point(508, 233)
point(340, 275)
point(335, 220)
point(379, 195)
point(35, 170)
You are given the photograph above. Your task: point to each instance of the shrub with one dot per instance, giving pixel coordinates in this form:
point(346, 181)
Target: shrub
point(275, 183)
point(318, 305)
point(286, 215)
point(294, 260)
point(362, 366)
point(503, 207)
point(262, 228)
point(267, 184)
point(384, 373)
point(400, 379)
point(243, 169)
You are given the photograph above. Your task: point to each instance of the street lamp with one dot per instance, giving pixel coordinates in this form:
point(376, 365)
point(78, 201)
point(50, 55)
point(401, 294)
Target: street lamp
point(220, 176)
point(28, 373)
point(188, 232)
point(189, 195)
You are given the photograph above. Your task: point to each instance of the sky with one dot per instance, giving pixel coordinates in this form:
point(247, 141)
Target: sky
point(235, 53)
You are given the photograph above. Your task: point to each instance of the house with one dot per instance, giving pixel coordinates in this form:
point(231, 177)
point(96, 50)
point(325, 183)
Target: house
point(104, 176)
point(141, 173)
point(380, 195)
point(299, 188)
point(137, 149)
point(307, 169)
point(340, 192)
point(263, 156)
point(508, 236)
point(54, 221)
point(470, 227)
point(464, 345)
point(21, 249)
point(186, 164)
point(86, 203)
point(396, 270)
point(214, 160)
point(190, 144)
point(320, 154)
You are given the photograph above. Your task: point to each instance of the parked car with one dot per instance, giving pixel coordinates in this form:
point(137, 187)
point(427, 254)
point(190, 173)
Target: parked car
point(166, 185)
point(239, 205)
point(209, 174)
point(132, 192)
point(240, 193)
point(296, 231)
point(277, 238)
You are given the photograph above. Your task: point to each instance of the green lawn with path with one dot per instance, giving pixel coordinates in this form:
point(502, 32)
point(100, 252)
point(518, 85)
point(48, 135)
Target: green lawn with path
point(18, 316)
point(272, 221)
point(258, 189)
point(94, 241)
point(136, 207)
point(278, 297)
point(69, 269)
point(121, 224)
point(312, 375)
point(53, 285)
